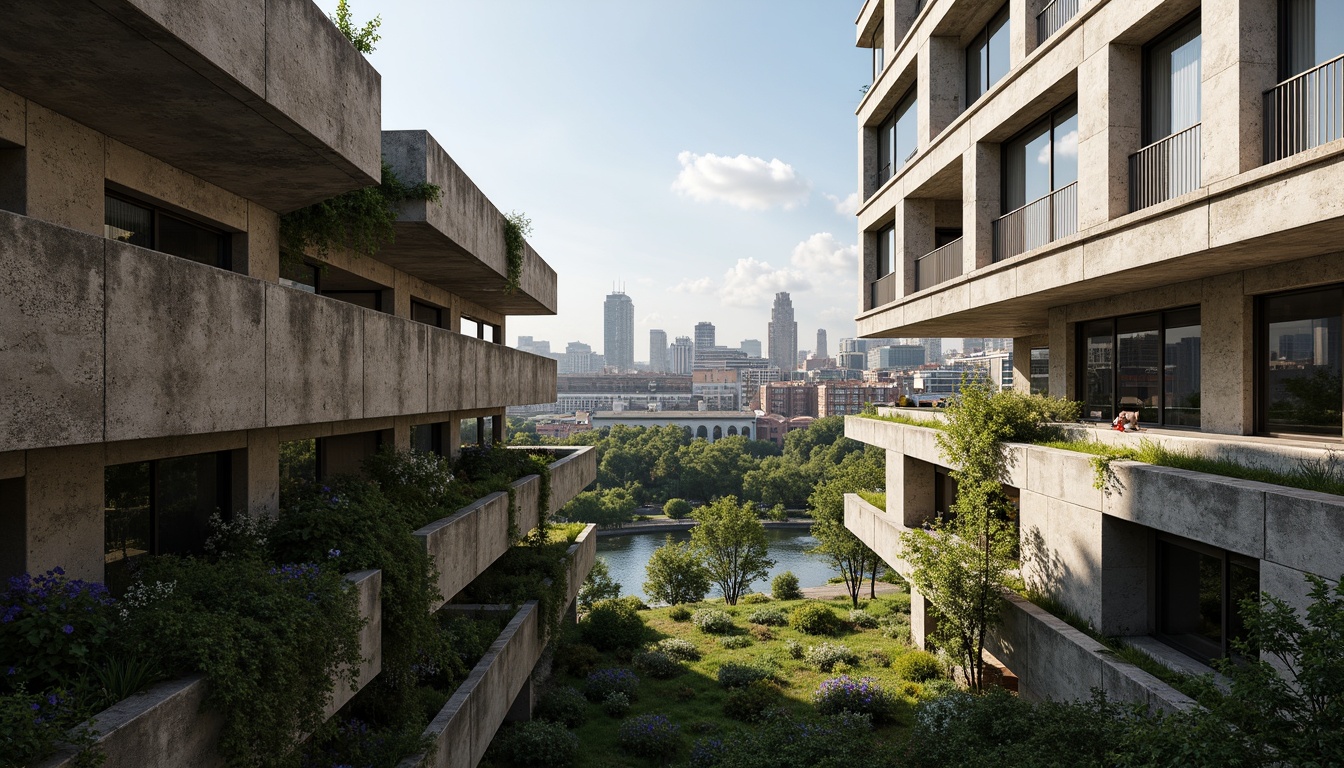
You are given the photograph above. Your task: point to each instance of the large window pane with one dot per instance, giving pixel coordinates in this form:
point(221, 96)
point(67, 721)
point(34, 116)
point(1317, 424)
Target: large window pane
point(1138, 350)
point(1027, 168)
point(128, 522)
point(886, 147)
point(426, 438)
point(1190, 596)
point(886, 251)
point(182, 238)
point(1301, 340)
point(128, 222)
point(1064, 145)
point(998, 60)
point(1173, 86)
point(1099, 370)
point(1181, 369)
point(976, 56)
point(906, 134)
point(1040, 371)
point(1313, 35)
point(187, 491)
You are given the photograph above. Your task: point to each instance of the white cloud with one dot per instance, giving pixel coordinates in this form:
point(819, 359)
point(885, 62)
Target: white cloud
point(821, 254)
point(846, 207)
point(701, 286)
point(818, 265)
point(751, 183)
point(752, 283)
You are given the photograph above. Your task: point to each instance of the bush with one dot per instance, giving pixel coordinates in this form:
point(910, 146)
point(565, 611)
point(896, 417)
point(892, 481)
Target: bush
point(918, 666)
point(51, 626)
point(612, 625)
point(734, 675)
point(861, 697)
point(896, 628)
point(649, 736)
point(678, 649)
point(679, 613)
point(754, 598)
point(769, 617)
point(675, 574)
point(761, 633)
point(785, 587)
point(658, 665)
point(603, 682)
point(537, 743)
point(578, 659)
point(879, 658)
point(827, 655)
point(814, 619)
point(713, 621)
point(794, 649)
point(735, 642)
point(616, 705)
point(677, 509)
point(862, 619)
point(750, 702)
point(562, 704)
point(842, 741)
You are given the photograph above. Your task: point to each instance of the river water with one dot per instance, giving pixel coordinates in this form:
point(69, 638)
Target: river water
point(626, 556)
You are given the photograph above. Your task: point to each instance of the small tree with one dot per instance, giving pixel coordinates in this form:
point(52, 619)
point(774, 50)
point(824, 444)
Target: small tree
point(598, 585)
point(677, 508)
point(730, 540)
point(845, 552)
point(675, 575)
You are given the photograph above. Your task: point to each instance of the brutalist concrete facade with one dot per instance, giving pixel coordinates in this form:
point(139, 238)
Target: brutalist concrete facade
point(1251, 220)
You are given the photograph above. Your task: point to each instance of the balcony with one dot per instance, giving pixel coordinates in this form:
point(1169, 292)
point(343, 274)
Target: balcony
point(938, 266)
point(1305, 111)
point(1053, 17)
point(882, 291)
point(1037, 223)
point(1165, 169)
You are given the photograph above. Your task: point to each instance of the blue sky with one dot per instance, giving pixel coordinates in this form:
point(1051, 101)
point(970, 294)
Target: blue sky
point(698, 151)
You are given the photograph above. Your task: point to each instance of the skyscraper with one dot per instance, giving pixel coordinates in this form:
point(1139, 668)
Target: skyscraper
point(783, 334)
point(821, 343)
point(619, 331)
point(658, 351)
point(683, 356)
point(751, 346)
point(704, 338)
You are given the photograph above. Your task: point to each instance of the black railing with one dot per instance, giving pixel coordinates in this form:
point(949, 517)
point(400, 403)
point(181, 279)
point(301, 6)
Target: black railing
point(1305, 111)
point(1164, 169)
point(1053, 17)
point(939, 266)
point(883, 291)
point(1037, 223)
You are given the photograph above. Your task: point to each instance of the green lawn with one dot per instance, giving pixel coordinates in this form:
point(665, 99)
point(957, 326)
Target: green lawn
point(694, 700)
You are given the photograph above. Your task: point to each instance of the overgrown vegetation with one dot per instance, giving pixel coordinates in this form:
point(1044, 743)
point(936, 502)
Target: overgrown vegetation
point(361, 219)
point(517, 228)
point(853, 559)
point(364, 38)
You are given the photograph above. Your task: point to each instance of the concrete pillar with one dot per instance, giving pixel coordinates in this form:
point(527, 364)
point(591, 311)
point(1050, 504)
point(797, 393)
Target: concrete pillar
point(480, 431)
point(910, 486)
point(452, 437)
point(868, 268)
point(63, 514)
point(497, 424)
point(1022, 363)
point(1239, 62)
point(1227, 357)
point(260, 254)
point(899, 16)
point(981, 204)
point(942, 86)
point(1062, 354)
point(66, 172)
point(401, 433)
point(1126, 549)
point(914, 236)
point(923, 621)
point(1021, 31)
point(1110, 101)
point(398, 302)
point(261, 473)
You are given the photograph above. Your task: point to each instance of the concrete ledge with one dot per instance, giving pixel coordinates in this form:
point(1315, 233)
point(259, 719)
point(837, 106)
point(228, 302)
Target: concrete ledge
point(166, 725)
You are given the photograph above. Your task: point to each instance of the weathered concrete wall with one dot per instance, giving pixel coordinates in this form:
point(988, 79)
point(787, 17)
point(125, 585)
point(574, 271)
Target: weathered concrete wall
point(571, 474)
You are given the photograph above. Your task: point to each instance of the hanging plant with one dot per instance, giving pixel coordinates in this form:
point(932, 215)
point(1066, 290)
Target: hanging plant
point(360, 219)
point(517, 228)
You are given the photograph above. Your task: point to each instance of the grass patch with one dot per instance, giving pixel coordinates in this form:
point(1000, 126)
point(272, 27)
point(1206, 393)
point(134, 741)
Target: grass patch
point(900, 418)
point(876, 498)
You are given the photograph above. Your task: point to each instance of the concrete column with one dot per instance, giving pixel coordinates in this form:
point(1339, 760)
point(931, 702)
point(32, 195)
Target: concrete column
point(1021, 30)
point(260, 254)
point(1126, 548)
point(868, 268)
point(401, 433)
point(923, 621)
point(452, 437)
point(480, 431)
point(1022, 363)
point(914, 236)
point(1110, 87)
point(898, 17)
point(64, 511)
point(981, 204)
point(497, 424)
point(66, 168)
point(398, 299)
point(262, 473)
point(1226, 368)
point(1062, 368)
point(942, 86)
point(910, 486)
point(1239, 62)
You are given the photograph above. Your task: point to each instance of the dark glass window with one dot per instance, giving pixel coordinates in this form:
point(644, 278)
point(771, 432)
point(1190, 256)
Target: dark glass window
point(1147, 363)
point(427, 314)
point(1138, 357)
point(987, 58)
point(1181, 358)
point(886, 251)
point(147, 227)
point(427, 438)
point(1098, 362)
point(1041, 159)
point(1300, 362)
point(876, 41)
point(1172, 82)
point(300, 274)
point(1040, 371)
point(1310, 34)
point(1199, 593)
point(366, 299)
point(898, 137)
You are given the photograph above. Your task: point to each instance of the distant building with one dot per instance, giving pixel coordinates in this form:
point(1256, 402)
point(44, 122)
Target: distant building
point(618, 326)
point(848, 398)
point(815, 363)
point(658, 362)
point(536, 347)
point(898, 357)
point(789, 398)
point(580, 358)
point(707, 425)
point(751, 346)
point(774, 428)
point(718, 389)
point(753, 378)
point(682, 354)
point(717, 357)
point(704, 338)
point(783, 334)
point(821, 343)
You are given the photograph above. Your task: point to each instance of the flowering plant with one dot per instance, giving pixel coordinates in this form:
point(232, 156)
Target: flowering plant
point(605, 682)
point(50, 627)
point(861, 697)
point(649, 736)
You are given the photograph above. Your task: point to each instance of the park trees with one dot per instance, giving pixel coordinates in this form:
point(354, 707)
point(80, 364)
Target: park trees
point(851, 557)
point(731, 542)
point(675, 574)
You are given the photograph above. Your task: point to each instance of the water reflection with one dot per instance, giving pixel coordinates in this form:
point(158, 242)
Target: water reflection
point(627, 555)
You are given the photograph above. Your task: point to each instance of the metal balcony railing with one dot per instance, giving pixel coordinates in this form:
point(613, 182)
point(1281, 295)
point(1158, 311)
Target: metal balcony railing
point(938, 266)
point(1053, 17)
point(882, 291)
point(1305, 111)
point(1037, 223)
point(1164, 169)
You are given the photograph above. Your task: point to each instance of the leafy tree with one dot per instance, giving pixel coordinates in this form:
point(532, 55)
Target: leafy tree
point(675, 574)
point(363, 38)
point(846, 553)
point(730, 540)
point(608, 508)
point(677, 508)
point(598, 585)
point(778, 480)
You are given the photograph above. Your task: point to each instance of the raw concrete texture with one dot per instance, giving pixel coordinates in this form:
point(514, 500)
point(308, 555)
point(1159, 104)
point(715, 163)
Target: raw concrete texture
point(64, 491)
point(571, 474)
point(1305, 531)
point(448, 372)
point(186, 346)
point(51, 335)
point(263, 473)
point(314, 358)
point(64, 170)
point(1220, 511)
point(368, 587)
point(1227, 356)
point(173, 188)
point(396, 360)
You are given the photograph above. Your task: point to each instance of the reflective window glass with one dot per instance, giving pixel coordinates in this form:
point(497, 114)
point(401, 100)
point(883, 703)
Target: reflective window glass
point(1040, 371)
point(127, 222)
point(1300, 362)
point(1099, 370)
point(1181, 369)
point(190, 241)
point(1138, 361)
point(1313, 33)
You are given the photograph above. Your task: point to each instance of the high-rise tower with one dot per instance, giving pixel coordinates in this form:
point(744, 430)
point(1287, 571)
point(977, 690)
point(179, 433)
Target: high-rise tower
point(783, 334)
point(658, 351)
point(821, 343)
point(704, 338)
point(619, 331)
point(683, 356)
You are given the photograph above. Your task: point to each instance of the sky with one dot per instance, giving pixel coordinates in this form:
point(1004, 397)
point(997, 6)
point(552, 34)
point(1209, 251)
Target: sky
point(700, 153)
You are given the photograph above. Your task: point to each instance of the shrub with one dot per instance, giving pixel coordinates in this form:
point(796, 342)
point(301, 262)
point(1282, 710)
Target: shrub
point(658, 665)
point(761, 633)
point(649, 736)
point(896, 628)
point(578, 659)
point(862, 619)
point(770, 617)
point(562, 704)
point(613, 679)
point(677, 509)
point(814, 619)
point(713, 621)
point(734, 675)
point(918, 666)
point(50, 626)
point(537, 743)
point(679, 613)
point(675, 574)
point(750, 702)
point(735, 642)
point(616, 704)
point(611, 625)
point(794, 648)
point(827, 655)
point(846, 694)
point(785, 587)
point(684, 693)
point(841, 741)
point(879, 658)
point(678, 649)
point(754, 598)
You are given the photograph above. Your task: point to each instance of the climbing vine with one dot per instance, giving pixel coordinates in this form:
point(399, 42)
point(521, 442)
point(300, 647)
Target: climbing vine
point(361, 219)
point(517, 228)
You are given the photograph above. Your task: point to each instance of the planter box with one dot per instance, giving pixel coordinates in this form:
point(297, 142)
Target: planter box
point(166, 726)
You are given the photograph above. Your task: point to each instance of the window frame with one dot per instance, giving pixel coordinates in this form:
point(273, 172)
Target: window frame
point(982, 39)
point(1080, 362)
point(1227, 560)
point(156, 214)
point(1146, 95)
point(1260, 379)
point(1049, 120)
point(438, 311)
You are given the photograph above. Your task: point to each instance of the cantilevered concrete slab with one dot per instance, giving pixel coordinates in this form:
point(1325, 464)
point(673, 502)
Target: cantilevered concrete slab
point(457, 243)
point(264, 98)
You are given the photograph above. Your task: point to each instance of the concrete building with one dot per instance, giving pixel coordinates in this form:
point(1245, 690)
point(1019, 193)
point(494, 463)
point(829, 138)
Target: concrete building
point(682, 356)
point(580, 358)
point(658, 352)
point(1118, 187)
point(535, 347)
point(704, 339)
point(159, 343)
point(898, 356)
point(706, 425)
point(845, 398)
point(821, 350)
point(782, 334)
point(717, 389)
point(751, 346)
point(618, 331)
point(789, 398)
